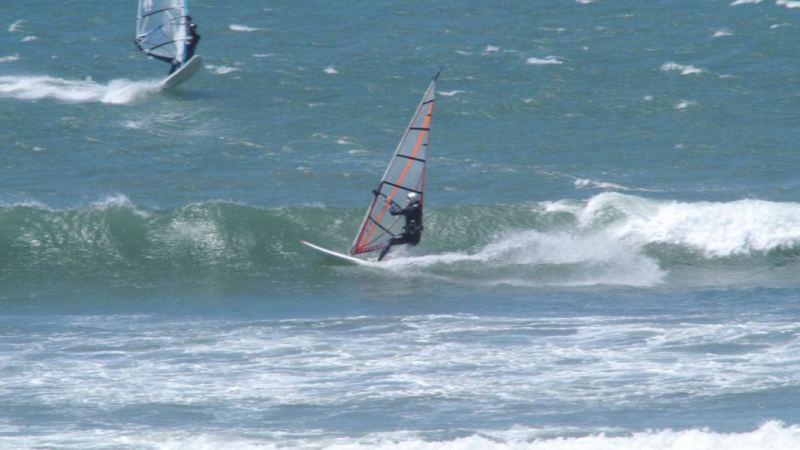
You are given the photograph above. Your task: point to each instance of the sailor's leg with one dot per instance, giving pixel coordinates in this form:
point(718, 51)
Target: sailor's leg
point(385, 251)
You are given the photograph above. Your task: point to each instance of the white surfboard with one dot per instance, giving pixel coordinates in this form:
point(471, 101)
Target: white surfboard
point(183, 73)
point(338, 256)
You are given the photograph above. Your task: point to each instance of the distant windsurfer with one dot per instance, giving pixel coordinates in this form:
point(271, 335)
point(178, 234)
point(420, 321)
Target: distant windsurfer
point(192, 38)
point(412, 231)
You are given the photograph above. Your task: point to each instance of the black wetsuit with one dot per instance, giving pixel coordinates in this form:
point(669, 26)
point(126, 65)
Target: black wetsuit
point(412, 231)
point(191, 43)
point(194, 39)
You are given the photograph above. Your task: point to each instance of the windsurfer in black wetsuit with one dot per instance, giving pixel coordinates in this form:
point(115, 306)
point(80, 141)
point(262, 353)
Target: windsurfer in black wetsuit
point(412, 231)
point(192, 38)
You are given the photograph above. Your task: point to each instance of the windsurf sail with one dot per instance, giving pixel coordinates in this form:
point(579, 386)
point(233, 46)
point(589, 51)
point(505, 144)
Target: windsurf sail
point(405, 174)
point(162, 29)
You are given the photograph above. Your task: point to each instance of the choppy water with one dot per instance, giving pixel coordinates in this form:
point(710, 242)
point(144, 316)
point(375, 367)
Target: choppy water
point(611, 248)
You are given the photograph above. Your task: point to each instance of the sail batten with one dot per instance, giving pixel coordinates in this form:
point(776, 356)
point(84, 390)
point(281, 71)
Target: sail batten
point(161, 29)
point(404, 174)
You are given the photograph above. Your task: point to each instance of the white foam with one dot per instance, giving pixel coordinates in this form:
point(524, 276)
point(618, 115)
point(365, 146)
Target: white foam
point(450, 93)
point(584, 183)
point(746, 2)
point(5, 59)
point(683, 69)
point(118, 201)
point(722, 33)
point(16, 26)
point(221, 70)
point(243, 28)
point(330, 70)
point(593, 362)
point(610, 242)
point(546, 61)
point(683, 104)
point(513, 259)
point(713, 229)
point(788, 3)
point(79, 91)
point(772, 435)
point(30, 38)
point(584, 2)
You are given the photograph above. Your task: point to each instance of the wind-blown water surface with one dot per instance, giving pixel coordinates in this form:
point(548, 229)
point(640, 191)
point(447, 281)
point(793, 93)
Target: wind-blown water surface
point(610, 257)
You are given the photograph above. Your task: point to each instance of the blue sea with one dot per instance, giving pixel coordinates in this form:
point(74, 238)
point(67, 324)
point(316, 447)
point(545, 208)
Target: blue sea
point(611, 256)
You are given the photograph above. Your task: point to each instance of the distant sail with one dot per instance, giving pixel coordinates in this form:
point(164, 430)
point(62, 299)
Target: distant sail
point(161, 29)
point(405, 174)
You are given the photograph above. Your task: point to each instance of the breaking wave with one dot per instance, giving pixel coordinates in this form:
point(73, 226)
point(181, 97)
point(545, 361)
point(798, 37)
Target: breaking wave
point(611, 239)
point(772, 435)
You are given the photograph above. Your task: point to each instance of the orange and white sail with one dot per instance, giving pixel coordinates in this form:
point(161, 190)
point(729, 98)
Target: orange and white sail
point(405, 174)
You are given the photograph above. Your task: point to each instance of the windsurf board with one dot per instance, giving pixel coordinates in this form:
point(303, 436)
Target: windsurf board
point(183, 73)
point(336, 255)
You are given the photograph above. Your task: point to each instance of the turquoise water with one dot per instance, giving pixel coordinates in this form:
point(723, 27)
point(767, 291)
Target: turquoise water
point(612, 228)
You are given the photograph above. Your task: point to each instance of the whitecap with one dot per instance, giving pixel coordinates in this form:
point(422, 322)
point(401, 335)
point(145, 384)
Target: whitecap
point(546, 61)
point(242, 28)
point(722, 33)
point(30, 38)
point(330, 70)
point(683, 104)
point(450, 93)
point(5, 59)
point(587, 183)
point(683, 69)
point(791, 4)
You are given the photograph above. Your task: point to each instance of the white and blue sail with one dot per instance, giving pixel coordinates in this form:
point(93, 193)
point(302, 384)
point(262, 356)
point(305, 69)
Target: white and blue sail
point(162, 29)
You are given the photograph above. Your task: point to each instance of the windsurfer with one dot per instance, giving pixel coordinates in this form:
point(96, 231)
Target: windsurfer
point(412, 231)
point(192, 38)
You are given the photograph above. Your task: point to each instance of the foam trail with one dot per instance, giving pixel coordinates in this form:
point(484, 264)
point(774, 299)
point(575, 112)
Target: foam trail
point(116, 92)
point(220, 70)
point(532, 258)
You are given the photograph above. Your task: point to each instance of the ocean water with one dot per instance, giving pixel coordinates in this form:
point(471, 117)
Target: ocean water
point(611, 251)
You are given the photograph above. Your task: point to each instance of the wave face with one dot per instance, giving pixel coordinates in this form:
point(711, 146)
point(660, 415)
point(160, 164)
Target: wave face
point(609, 239)
point(116, 92)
